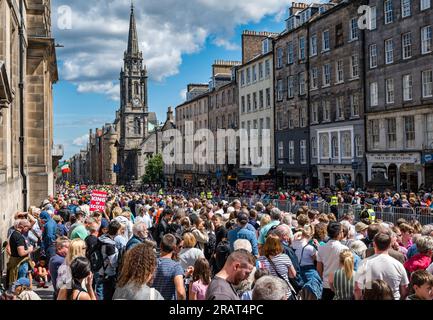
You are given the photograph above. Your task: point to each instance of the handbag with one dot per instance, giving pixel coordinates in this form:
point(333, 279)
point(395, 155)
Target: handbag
point(294, 294)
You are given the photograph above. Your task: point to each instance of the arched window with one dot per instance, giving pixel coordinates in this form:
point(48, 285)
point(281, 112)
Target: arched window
point(335, 148)
point(314, 147)
point(358, 146)
point(137, 126)
point(324, 146)
point(347, 145)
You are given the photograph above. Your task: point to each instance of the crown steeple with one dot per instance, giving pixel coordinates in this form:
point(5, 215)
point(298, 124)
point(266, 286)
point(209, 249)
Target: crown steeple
point(133, 39)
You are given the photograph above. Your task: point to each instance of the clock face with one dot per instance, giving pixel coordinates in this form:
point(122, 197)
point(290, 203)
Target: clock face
point(136, 102)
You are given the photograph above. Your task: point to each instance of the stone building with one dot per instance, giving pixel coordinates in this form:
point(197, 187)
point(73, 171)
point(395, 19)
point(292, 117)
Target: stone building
point(26, 110)
point(399, 93)
point(292, 98)
point(336, 96)
point(223, 114)
point(256, 101)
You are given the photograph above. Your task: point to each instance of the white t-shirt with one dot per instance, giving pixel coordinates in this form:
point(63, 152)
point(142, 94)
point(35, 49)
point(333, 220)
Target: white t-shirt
point(329, 255)
point(304, 252)
point(430, 269)
point(382, 267)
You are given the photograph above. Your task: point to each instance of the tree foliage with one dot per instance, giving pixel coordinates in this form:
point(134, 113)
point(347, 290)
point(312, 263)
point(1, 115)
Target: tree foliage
point(154, 170)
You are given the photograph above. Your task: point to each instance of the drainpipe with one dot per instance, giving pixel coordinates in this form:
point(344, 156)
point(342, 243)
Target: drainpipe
point(21, 89)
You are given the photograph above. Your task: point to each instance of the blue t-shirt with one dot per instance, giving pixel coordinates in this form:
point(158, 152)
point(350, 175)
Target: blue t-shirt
point(165, 272)
point(243, 233)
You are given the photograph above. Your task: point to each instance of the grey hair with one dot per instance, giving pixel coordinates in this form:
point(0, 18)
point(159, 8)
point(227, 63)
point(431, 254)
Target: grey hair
point(283, 230)
point(276, 214)
point(21, 223)
point(424, 244)
point(287, 219)
point(242, 244)
point(427, 230)
point(359, 248)
point(270, 288)
point(139, 230)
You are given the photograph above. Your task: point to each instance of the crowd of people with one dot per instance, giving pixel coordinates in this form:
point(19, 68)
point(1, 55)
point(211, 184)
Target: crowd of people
point(169, 245)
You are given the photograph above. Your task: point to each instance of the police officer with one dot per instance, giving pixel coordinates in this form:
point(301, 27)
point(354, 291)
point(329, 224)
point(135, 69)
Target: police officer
point(202, 195)
point(209, 195)
point(334, 204)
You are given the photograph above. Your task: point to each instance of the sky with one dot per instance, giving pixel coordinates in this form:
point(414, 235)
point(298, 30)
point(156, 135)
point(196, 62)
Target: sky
point(179, 39)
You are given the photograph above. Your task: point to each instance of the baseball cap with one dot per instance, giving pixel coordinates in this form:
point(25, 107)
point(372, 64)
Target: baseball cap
point(360, 226)
point(22, 282)
point(242, 218)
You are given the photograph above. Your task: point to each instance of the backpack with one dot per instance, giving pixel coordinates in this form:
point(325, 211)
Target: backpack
point(120, 256)
point(222, 252)
point(95, 257)
point(209, 247)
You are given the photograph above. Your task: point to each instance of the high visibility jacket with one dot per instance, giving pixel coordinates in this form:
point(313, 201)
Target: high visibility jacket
point(371, 215)
point(202, 195)
point(334, 201)
point(209, 195)
point(161, 192)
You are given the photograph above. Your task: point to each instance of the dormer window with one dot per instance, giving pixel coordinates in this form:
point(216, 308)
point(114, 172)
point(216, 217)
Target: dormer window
point(266, 46)
point(322, 9)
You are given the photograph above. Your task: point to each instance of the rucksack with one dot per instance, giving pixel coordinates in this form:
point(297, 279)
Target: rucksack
point(95, 257)
point(209, 247)
point(222, 252)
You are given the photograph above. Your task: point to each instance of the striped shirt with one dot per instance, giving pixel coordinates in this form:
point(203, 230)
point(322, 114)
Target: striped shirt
point(343, 287)
point(165, 273)
point(281, 262)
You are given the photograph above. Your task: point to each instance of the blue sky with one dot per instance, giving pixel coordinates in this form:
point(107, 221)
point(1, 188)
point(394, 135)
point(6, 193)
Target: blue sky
point(84, 100)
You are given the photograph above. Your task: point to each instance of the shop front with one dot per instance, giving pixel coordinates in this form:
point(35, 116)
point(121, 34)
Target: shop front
point(404, 170)
point(341, 176)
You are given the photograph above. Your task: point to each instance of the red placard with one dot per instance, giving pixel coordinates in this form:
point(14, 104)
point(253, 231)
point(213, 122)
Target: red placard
point(98, 201)
point(83, 187)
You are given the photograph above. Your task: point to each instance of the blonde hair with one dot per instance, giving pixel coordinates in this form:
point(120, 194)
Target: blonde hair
point(189, 240)
point(308, 231)
point(266, 218)
point(77, 248)
point(348, 262)
point(117, 212)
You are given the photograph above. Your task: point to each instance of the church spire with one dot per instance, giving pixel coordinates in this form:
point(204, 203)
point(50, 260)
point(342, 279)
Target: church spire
point(133, 39)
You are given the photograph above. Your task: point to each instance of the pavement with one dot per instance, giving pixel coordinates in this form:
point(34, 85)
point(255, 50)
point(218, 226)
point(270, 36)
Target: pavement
point(44, 293)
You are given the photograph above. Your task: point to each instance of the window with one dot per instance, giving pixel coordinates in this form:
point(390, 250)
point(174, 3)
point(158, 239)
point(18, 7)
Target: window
point(354, 66)
point(391, 132)
point(268, 123)
point(326, 111)
point(373, 94)
point(267, 68)
point(242, 78)
point(339, 71)
point(280, 149)
point(335, 148)
point(243, 104)
point(346, 151)
point(280, 58)
point(326, 74)
point(325, 41)
point(137, 126)
point(313, 45)
point(290, 87)
point(291, 152)
point(280, 122)
point(354, 105)
point(254, 73)
point(407, 87)
point(268, 97)
point(372, 18)
point(374, 133)
point(427, 90)
point(314, 78)
point(303, 151)
point(389, 51)
point(261, 99)
point(354, 29)
point(389, 87)
point(248, 102)
point(255, 101)
point(339, 38)
point(303, 118)
point(406, 43)
point(315, 112)
point(429, 129)
point(261, 70)
point(405, 8)
point(280, 90)
point(248, 75)
point(314, 147)
point(291, 122)
point(388, 11)
point(301, 48)
point(358, 146)
point(373, 56)
point(302, 83)
point(425, 4)
point(340, 108)
point(265, 46)
point(290, 53)
point(324, 146)
point(409, 131)
point(426, 40)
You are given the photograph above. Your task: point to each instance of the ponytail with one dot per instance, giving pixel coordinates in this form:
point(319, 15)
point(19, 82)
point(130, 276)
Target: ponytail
point(348, 262)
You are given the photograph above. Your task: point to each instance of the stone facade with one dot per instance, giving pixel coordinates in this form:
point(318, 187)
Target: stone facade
point(399, 93)
point(26, 126)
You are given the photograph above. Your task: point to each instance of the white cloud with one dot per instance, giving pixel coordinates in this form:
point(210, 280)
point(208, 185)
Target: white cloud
point(182, 94)
point(81, 141)
point(167, 29)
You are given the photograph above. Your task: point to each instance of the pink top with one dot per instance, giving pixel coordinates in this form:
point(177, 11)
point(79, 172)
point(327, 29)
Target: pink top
point(417, 262)
point(200, 289)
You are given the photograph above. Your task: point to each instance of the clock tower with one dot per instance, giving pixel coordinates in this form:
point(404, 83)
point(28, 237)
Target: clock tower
point(133, 115)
